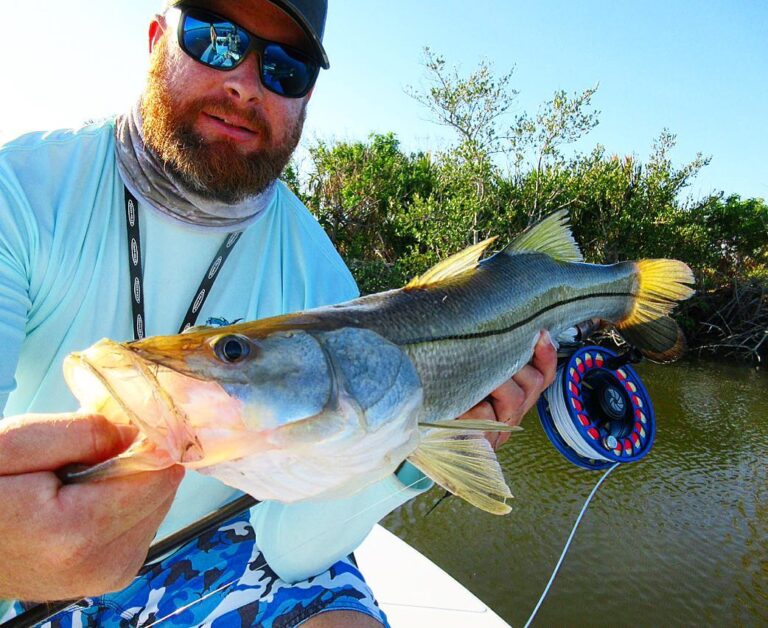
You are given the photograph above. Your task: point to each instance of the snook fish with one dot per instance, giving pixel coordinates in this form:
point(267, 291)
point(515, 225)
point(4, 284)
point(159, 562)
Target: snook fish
point(324, 402)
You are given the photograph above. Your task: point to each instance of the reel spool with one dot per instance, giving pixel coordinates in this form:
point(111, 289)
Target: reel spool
point(597, 412)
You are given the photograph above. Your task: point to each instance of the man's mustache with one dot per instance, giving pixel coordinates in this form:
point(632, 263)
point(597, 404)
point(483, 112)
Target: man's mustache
point(222, 108)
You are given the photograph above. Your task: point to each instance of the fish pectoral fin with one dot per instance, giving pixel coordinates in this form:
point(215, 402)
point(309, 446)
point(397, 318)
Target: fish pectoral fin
point(660, 340)
point(551, 236)
point(142, 456)
point(479, 425)
point(197, 328)
point(463, 462)
point(458, 264)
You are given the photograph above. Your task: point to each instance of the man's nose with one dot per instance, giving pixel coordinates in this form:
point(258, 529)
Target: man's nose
point(244, 82)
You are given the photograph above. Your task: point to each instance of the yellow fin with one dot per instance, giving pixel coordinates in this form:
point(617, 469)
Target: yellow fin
point(661, 283)
point(551, 236)
point(196, 328)
point(457, 264)
point(660, 340)
point(464, 463)
point(479, 425)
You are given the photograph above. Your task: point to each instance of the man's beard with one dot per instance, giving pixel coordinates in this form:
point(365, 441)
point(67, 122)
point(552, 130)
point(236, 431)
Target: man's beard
point(215, 170)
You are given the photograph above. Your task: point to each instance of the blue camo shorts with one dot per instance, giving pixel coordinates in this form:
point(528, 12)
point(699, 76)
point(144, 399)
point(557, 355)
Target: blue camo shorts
point(220, 579)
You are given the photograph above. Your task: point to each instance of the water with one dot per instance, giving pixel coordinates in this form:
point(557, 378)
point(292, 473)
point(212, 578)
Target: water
point(679, 538)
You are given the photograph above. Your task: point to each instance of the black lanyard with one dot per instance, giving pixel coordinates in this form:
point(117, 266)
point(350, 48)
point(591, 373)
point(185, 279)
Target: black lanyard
point(137, 272)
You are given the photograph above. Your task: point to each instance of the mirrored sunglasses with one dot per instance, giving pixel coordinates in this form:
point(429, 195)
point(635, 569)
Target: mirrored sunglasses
point(222, 44)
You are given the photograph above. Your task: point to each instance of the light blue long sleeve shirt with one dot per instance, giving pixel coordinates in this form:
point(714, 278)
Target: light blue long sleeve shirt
point(64, 283)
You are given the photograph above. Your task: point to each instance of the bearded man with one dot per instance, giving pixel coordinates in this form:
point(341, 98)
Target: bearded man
point(107, 231)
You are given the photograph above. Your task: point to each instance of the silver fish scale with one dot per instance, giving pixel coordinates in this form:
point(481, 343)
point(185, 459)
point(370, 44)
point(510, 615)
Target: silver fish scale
point(469, 334)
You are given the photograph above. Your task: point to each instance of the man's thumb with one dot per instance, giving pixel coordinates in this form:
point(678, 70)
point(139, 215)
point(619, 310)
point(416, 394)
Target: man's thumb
point(38, 442)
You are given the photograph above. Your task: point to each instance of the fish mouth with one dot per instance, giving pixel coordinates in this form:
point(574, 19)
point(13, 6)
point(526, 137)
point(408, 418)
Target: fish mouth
point(110, 379)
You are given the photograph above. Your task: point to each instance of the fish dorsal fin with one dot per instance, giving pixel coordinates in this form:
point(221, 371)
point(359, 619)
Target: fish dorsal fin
point(551, 236)
point(463, 463)
point(457, 264)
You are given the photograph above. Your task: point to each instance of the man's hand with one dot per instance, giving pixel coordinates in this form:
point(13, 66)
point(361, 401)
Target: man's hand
point(510, 401)
point(68, 541)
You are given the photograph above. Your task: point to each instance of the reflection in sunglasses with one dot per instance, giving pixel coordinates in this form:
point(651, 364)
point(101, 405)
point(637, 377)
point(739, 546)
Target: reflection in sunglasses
point(224, 50)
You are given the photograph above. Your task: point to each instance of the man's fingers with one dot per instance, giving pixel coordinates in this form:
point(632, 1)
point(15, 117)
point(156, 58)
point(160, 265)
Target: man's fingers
point(86, 538)
point(545, 358)
point(127, 552)
point(31, 443)
point(531, 382)
point(485, 411)
point(507, 400)
point(121, 502)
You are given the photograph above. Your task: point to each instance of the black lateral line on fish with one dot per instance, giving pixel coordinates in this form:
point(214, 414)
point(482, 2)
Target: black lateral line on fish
point(504, 330)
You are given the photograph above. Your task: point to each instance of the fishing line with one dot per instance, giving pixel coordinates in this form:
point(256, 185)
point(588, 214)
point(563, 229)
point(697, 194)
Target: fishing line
point(568, 544)
point(598, 414)
point(563, 422)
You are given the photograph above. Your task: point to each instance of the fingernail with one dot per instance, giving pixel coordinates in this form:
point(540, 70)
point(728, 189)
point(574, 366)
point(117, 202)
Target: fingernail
point(547, 336)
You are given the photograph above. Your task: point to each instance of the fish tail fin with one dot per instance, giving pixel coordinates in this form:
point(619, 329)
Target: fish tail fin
point(661, 284)
point(463, 462)
point(139, 457)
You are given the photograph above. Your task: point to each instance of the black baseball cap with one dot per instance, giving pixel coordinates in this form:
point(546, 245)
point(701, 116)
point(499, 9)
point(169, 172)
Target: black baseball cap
point(309, 14)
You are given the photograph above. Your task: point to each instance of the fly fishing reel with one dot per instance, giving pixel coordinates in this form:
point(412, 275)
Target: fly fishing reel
point(597, 411)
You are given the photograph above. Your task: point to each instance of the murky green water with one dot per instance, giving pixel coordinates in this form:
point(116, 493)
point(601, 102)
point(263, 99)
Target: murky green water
point(679, 538)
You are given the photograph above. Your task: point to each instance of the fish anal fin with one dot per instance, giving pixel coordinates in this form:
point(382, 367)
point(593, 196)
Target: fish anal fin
point(454, 266)
point(463, 463)
point(660, 340)
point(552, 236)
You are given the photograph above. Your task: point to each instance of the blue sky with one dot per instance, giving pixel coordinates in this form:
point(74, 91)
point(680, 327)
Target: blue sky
point(697, 68)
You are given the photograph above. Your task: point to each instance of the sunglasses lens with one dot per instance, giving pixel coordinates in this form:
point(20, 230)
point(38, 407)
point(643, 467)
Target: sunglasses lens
point(219, 43)
point(214, 42)
point(287, 71)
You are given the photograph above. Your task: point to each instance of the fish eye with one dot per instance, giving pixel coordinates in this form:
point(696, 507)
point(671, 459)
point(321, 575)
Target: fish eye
point(232, 349)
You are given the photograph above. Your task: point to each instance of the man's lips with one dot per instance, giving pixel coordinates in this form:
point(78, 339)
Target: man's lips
point(229, 125)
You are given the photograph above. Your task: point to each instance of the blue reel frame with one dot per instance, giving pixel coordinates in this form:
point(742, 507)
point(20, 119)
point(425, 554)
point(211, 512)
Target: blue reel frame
point(627, 439)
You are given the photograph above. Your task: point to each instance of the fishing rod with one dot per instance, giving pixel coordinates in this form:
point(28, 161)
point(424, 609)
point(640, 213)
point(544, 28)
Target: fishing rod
point(40, 612)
